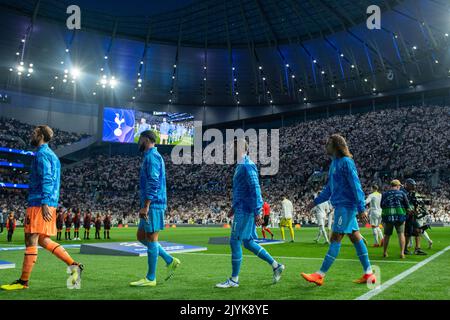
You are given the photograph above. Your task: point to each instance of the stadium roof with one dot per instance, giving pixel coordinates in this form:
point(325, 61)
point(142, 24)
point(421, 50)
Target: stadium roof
point(247, 52)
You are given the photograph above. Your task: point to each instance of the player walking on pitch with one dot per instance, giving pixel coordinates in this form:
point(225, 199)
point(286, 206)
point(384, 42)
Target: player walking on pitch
point(287, 210)
point(344, 191)
point(321, 211)
point(266, 221)
point(246, 209)
point(40, 220)
point(374, 201)
point(153, 206)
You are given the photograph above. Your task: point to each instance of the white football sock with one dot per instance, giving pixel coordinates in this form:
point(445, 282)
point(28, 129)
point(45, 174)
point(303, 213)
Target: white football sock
point(426, 236)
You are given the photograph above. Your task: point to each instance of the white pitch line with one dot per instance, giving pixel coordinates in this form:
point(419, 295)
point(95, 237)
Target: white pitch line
point(400, 276)
point(300, 258)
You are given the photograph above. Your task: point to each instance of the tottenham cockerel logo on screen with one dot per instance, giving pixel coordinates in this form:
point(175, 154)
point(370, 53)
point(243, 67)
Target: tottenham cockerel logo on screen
point(118, 125)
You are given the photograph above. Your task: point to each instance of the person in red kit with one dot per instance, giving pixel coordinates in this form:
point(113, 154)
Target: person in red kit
point(266, 219)
point(10, 225)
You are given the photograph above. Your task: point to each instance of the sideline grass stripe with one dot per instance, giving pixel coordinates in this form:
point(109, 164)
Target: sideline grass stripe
point(301, 258)
point(401, 276)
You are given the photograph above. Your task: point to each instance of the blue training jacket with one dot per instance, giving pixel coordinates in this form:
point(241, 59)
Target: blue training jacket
point(343, 188)
point(153, 179)
point(247, 199)
point(44, 178)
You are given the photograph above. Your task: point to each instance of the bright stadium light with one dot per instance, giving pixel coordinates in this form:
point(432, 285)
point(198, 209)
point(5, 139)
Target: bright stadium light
point(112, 83)
point(75, 72)
point(103, 81)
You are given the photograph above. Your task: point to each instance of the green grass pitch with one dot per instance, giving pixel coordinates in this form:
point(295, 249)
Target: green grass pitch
point(107, 277)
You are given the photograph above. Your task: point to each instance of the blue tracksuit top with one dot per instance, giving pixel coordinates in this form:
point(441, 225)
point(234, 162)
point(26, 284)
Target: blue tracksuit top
point(153, 179)
point(247, 199)
point(44, 178)
point(343, 188)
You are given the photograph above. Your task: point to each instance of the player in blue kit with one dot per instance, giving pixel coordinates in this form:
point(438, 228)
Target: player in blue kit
point(246, 209)
point(153, 205)
point(347, 197)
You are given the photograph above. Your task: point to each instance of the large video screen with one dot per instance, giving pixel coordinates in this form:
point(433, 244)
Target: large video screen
point(126, 125)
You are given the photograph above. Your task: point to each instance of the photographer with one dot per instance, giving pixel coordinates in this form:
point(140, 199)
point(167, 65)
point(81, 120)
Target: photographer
point(412, 227)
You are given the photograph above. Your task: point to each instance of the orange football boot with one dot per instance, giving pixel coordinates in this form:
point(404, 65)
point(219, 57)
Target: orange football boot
point(368, 277)
point(313, 277)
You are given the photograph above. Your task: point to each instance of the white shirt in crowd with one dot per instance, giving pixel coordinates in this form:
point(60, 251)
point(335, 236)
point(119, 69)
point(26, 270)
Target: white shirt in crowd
point(288, 209)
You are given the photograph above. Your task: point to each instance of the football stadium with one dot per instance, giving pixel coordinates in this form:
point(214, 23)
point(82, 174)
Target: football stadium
point(253, 150)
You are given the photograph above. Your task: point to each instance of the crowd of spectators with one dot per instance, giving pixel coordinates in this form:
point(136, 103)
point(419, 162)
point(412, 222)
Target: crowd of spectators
point(395, 143)
point(16, 134)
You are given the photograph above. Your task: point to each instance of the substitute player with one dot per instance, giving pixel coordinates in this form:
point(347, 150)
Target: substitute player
point(98, 226)
point(59, 223)
point(153, 206)
point(76, 224)
point(10, 225)
point(344, 191)
point(107, 225)
point(87, 220)
point(287, 210)
point(266, 221)
point(40, 220)
point(321, 211)
point(374, 202)
point(246, 209)
point(68, 223)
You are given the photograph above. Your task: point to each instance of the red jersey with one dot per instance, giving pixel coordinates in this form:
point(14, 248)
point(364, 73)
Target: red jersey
point(10, 223)
point(266, 209)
